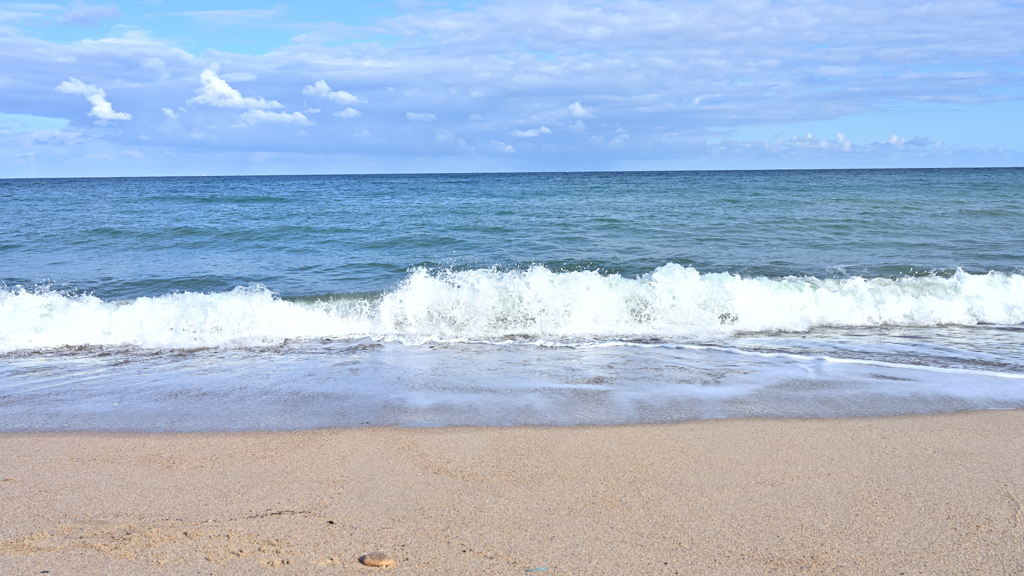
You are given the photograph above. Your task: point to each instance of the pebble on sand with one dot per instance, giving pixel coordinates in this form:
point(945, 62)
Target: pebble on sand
point(377, 560)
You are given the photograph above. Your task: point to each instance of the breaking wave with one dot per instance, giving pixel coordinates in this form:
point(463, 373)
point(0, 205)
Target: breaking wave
point(673, 302)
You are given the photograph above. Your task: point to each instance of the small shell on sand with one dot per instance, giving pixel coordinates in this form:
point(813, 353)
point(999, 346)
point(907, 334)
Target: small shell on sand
point(377, 560)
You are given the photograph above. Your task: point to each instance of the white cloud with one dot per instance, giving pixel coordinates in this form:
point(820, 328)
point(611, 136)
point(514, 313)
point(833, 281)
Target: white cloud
point(347, 113)
point(418, 117)
point(843, 142)
point(532, 133)
point(101, 109)
point(254, 116)
point(578, 126)
point(576, 110)
point(216, 92)
point(169, 113)
point(809, 146)
point(502, 147)
point(321, 89)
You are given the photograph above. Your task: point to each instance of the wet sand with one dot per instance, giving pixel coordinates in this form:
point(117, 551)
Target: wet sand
point(939, 494)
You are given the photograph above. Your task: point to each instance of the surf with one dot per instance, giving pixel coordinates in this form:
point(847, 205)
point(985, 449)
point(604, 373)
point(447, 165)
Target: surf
point(672, 302)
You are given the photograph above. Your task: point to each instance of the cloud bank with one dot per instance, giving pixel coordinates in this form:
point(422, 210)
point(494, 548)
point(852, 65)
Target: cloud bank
point(582, 85)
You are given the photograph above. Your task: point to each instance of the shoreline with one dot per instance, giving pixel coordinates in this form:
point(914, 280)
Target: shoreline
point(938, 493)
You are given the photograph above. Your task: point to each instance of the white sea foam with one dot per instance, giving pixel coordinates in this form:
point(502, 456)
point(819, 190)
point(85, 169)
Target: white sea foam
point(486, 304)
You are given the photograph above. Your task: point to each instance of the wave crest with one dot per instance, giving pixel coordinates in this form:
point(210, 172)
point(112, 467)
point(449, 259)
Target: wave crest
point(485, 304)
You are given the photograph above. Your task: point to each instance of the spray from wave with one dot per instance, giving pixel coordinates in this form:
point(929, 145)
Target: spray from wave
point(673, 302)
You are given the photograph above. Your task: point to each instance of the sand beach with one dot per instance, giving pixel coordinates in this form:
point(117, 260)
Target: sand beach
point(933, 494)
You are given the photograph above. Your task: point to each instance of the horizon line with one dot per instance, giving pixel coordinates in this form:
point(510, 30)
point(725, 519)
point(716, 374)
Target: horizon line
point(311, 175)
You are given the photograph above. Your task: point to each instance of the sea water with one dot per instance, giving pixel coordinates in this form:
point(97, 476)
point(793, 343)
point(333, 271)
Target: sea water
point(230, 303)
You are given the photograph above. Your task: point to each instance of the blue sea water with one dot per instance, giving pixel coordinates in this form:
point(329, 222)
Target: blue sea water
point(224, 303)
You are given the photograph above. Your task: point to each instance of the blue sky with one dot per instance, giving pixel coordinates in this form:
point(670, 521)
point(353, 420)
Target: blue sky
point(167, 87)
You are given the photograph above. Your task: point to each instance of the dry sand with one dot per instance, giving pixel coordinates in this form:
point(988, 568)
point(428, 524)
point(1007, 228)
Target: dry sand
point(908, 495)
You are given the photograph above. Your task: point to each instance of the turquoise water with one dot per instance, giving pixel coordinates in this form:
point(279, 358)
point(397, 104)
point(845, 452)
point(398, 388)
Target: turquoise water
point(575, 298)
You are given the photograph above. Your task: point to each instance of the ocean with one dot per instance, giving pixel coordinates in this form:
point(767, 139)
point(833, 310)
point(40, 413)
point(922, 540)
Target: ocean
point(297, 302)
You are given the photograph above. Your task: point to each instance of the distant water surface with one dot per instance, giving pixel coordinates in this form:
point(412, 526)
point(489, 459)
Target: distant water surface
point(566, 298)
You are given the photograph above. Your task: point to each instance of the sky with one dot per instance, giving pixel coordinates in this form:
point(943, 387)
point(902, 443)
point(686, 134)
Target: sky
point(180, 87)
